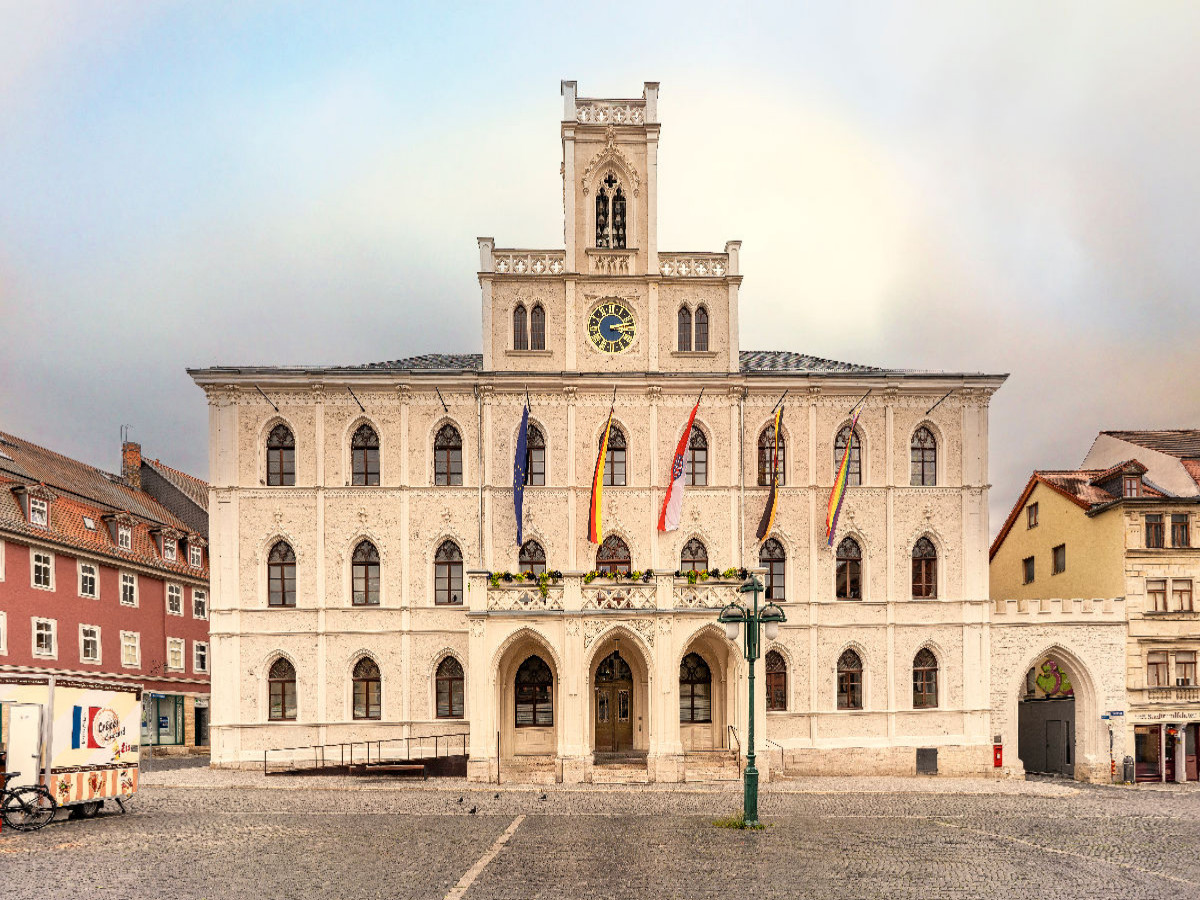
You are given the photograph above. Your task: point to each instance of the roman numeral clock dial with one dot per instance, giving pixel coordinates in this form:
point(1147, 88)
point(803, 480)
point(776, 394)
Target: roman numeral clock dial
point(610, 327)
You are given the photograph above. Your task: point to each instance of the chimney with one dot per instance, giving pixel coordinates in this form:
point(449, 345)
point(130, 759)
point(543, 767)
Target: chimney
point(131, 464)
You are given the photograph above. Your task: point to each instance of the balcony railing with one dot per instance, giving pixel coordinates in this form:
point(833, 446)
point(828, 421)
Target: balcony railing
point(573, 592)
point(528, 262)
point(524, 597)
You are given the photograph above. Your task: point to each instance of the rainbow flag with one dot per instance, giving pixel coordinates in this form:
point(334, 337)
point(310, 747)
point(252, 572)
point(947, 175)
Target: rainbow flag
point(838, 494)
point(595, 529)
point(767, 522)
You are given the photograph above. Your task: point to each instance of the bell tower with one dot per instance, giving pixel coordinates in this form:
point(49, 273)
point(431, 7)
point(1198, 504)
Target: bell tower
point(610, 183)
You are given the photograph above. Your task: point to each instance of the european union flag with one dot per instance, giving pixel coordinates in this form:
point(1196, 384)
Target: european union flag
point(519, 464)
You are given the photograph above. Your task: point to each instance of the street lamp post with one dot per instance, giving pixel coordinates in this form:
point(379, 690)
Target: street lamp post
point(768, 618)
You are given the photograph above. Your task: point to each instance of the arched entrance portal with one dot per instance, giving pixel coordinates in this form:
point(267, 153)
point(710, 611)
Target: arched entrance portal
point(1046, 719)
point(614, 716)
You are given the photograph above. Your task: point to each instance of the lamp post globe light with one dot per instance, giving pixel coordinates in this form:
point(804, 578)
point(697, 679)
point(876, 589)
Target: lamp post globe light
point(758, 623)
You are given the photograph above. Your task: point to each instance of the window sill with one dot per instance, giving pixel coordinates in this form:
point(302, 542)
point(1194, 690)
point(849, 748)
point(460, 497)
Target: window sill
point(699, 354)
point(546, 353)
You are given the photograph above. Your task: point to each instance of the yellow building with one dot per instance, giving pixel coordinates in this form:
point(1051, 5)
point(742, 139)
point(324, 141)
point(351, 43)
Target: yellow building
point(1114, 534)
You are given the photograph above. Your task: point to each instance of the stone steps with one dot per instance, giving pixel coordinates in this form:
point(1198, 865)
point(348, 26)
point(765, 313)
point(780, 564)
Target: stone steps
point(711, 767)
point(529, 770)
point(620, 773)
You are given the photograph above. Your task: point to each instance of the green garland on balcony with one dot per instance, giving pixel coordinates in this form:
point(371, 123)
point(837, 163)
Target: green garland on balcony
point(543, 580)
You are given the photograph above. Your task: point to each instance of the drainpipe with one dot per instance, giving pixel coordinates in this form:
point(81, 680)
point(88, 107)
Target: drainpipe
point(479, 466)
point(742, 476)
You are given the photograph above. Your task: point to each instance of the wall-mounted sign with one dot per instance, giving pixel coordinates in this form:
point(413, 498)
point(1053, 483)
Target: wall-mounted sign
point(164, 723)
point(1117, 712)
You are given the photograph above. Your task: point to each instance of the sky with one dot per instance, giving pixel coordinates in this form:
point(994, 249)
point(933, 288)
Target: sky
point(1007, 188)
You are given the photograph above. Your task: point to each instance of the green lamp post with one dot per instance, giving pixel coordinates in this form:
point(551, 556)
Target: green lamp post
point(768, 619)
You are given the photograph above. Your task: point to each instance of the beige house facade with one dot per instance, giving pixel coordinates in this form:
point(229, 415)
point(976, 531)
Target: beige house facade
point(1116, 535)
point(367, 580)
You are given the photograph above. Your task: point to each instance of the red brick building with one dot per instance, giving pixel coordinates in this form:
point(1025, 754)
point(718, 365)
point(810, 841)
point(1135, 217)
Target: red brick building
point(99, 576)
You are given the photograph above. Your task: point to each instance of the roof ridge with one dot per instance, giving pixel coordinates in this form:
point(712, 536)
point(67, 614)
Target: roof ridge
point(159, 462)
point(75, 462)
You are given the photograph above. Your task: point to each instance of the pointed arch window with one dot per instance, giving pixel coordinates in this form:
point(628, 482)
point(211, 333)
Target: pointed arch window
point(450, 687)
point(701, 341)
point(695, 463)
point(534, 694)
point(281, 575)
point(695, 690)
point(693, 557)
point(281, 683)
point(766, 449)
point(447, 456)
point(776, 681)
point(364, 455)
point(924, 458)
point(531, 558)
point(537, 327)
point(685, 329)
point(281, 457)
point(925, 680)
point(771, 556)
point(520, 328)
point(849, 570)
point(367, 689)
point(613, 557)
point(535, 456)
point(610, 214)
point(448, 575)
point(614, 459)
point(364, 569)
point(924, 569)
point(854, 466)
point(849, 681)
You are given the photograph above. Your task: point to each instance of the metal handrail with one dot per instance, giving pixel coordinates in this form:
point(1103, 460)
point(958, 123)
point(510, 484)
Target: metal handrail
point(778, 747)
point(321, 757)
point(738, 741)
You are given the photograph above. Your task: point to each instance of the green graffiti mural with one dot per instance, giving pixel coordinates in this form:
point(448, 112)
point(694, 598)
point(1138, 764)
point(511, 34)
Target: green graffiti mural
point(1048, 682)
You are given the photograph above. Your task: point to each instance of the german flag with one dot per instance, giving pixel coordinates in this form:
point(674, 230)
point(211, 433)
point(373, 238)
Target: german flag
point(767, 522)
point(595, 529)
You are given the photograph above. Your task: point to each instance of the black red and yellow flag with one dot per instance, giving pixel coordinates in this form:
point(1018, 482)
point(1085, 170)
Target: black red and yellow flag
point(595, 528)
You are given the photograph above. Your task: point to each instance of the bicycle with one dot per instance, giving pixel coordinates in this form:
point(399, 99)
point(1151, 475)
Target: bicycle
point(26, 808)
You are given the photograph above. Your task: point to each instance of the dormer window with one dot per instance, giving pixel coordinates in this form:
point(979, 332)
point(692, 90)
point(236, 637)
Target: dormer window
point(39, 512)
point(610, 214)
point(195, 556)
point(124, 537)
point(169, 549)
point(89, 523)
point(1132, 486)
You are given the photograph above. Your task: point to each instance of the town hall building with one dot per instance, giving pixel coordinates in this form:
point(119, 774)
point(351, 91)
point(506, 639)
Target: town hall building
point(367, 583)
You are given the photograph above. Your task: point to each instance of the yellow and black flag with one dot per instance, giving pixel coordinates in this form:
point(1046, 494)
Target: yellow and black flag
point(768, 517)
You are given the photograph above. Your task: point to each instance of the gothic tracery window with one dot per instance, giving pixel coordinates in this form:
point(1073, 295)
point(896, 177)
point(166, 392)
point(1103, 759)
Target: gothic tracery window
point(535, 456)
point(766, 450)
point(531, 558)
point(367, 693)
point(854, 466)
point(537, 328)
point(364, 569)
point(701, 342)
point(281, 456)
point(695, 690)
point(364, 455)
point(924, 569)
point(610, 214)
point(534, 694)
point(776, 668)
point(450, 689)
point(685, 329)
point(693, 557)
point(448, 574)
point(520, 331)
point(925, 687)
point(447, 456)
point(773, 558)
point(614, 459)
point(613, 557)
point(849, 570)
point(924, 458)
point(695, 464)
point(849, 681)
point(281, 575)
point(281, 681)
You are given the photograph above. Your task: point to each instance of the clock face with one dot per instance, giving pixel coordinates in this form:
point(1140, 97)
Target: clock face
point(611, 327)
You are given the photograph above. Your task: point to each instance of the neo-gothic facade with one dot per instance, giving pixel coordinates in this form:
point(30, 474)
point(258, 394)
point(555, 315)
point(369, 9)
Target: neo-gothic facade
point(355, 533)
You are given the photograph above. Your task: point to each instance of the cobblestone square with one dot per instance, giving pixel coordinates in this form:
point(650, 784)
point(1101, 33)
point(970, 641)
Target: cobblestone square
point(196, 833)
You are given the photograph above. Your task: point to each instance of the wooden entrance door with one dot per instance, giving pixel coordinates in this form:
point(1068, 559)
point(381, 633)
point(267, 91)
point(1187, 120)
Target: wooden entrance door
point(1189, 752)
point(614, 705)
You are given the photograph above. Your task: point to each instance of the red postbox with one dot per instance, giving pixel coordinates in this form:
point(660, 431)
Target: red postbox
point(997, 755)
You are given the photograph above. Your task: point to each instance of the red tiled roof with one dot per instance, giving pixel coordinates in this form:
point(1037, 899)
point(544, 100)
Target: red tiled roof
point(1128, 467)
point(81, 490)
point(1183, 443)
point(193, 488)
point(1192, 467)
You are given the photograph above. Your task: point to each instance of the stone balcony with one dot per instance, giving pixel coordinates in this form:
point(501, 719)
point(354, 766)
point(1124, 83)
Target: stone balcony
point(1180, 694)
point(574, 594)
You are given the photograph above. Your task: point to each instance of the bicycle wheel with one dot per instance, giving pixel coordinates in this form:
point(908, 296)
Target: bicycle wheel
point(28, 808)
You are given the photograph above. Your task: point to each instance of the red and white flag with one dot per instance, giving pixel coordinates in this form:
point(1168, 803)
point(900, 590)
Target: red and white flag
point(668, 519)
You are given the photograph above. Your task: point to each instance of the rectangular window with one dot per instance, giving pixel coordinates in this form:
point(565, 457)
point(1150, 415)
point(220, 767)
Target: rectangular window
point(1154, 530)
point(174, 600)
point(124, 537)
point(195, 556)
point(1031, 513)
point(88, 580)
point(1156, 669)
point(169, 549)
point(199, 604)
point(43, 571)
point(1181, 594)
point(1156, 594)
point(1027, 570)
point(39, 512)
point(1059, 555)
point(45, 638)
point(175, 654)
point(200, 657)
point(1133, 486)
point(128, 589)
point(1185, 668)
point(1180, 533)
point(131, 649)
point(89, 644)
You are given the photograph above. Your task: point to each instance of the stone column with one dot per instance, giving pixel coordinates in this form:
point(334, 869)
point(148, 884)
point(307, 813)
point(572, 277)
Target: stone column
point(482, 764)
point(574, 750)
point(666, 761)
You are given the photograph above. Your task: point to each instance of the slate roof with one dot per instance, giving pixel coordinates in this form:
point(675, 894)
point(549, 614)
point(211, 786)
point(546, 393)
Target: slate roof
point(80, 491)
point(1183, 443)
point(193, 488)
point(432, 361)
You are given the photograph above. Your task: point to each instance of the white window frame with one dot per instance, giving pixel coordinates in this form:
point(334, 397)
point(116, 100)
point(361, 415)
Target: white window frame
point(80, 564)
point(34, 553)
point(99, 646)
point(195, 556)
point(137, 649)
point(39, 509)
point(203, 599)
point(196, 667)
point(179, 589)
point(3, 633)
point(132, 575)
point(170, 549)
point(176, 644)
point(33, 637)
point(125, 537)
